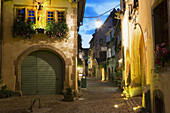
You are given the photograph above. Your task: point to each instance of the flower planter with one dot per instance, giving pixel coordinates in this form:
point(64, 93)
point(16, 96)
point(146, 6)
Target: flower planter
point(68, 97)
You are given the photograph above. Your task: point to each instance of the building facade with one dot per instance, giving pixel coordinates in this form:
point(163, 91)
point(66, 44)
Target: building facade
point(145, 24)
point(98, 45)
point(40, 65)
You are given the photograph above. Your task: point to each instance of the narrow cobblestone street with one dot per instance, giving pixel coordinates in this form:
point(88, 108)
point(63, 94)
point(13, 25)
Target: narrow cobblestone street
point(98, 97)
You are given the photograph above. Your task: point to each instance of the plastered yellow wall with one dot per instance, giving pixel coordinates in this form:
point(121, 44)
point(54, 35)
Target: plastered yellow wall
point(145, 22)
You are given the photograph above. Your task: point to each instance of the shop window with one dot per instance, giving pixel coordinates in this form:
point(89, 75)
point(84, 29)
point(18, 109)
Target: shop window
point(61, 16)
point(20, 14)
point(31, 15)
point(50, 16)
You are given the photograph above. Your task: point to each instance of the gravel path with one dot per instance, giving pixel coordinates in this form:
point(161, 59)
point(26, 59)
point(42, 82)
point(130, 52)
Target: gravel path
point(98, 97)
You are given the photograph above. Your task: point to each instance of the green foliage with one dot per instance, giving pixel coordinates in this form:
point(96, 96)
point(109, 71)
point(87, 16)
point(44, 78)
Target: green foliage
point(24, 29)
point(118, 48)
point(80, 62)
point(102, 66)
point(4, 93)
point(58, 31)
point(118, 77)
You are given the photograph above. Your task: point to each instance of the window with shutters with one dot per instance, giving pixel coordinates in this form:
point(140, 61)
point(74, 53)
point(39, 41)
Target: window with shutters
point(20, 14)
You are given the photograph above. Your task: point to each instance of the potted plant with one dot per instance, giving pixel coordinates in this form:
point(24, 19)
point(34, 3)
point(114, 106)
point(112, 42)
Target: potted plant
point(68, 95)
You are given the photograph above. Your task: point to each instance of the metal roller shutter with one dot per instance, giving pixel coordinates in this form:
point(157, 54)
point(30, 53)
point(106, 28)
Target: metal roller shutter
point(41, 73)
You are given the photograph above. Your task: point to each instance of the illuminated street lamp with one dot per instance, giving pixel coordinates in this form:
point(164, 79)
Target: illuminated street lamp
point(98, 23)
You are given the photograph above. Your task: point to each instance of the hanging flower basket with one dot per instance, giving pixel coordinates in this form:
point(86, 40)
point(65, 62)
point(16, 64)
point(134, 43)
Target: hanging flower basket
point(58, 31)
point(24, 29)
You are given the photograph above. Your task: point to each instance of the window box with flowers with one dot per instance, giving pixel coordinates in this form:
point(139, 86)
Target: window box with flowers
point(23, 29)
point(58, 31)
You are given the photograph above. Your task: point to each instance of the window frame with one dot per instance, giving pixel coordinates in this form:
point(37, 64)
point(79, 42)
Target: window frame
point(16, 13)
point(54, 15)
point(35, 14)
point(64, 15)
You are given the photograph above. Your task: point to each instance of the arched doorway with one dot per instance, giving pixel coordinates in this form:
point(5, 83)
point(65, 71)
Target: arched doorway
point(143, 65)
point(41, 73)
point(128, 68)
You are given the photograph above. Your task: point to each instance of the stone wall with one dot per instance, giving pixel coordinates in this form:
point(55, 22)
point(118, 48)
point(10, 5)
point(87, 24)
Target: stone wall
point(13, 48)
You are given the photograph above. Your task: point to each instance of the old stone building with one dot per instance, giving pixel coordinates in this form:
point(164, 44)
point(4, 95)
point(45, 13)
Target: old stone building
point(145, 24)
point(98, 45)
point(40, 65)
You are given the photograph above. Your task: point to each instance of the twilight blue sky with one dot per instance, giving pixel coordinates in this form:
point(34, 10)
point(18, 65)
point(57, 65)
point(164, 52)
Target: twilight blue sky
point(94, 8)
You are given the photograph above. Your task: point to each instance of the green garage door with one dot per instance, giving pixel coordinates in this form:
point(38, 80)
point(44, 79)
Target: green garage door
point(41, 73)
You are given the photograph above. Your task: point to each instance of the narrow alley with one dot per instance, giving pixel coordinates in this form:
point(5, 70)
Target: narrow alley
point(98, 97)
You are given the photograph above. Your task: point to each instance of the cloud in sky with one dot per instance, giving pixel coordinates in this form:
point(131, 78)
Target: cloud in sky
point(94, 8)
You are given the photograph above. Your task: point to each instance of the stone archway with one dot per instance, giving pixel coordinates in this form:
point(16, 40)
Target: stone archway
point(136, 76)
point(138, 62)
point(143, 60)
point(66, 62)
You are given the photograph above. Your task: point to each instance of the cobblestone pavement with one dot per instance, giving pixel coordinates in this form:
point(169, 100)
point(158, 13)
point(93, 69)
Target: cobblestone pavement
point(98, 97)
